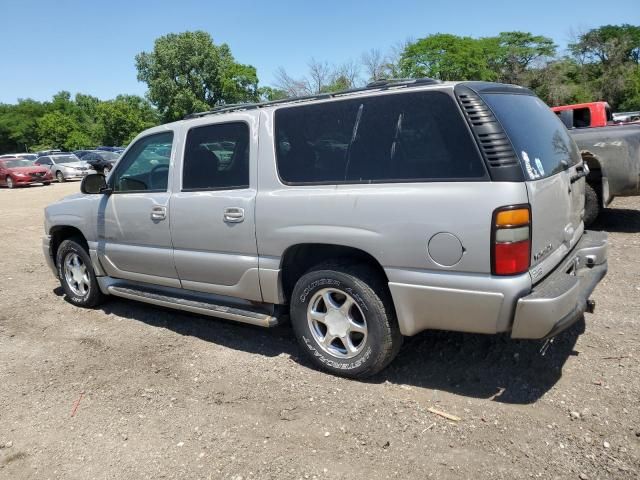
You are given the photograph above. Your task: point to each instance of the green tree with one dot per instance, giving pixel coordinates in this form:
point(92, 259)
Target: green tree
point(18, 125)
point(448, 57)
point(610, 59)
point(187, 72)
point(518, 51)
point(269, 94)
point(54, 129)
point(124, 117)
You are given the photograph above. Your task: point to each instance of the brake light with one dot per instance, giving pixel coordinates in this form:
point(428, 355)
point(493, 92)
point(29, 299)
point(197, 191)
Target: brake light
point(511, 240)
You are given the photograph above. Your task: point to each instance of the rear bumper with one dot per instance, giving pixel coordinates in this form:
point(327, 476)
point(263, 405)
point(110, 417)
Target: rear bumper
point(561, 299)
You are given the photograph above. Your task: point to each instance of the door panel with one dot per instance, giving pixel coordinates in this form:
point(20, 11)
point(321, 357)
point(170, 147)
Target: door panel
point(212, 221)
point(134, 237)
point(131, 242)
point(210, 254)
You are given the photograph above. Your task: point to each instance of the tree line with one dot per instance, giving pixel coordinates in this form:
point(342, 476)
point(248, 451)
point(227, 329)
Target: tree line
point(188, 72)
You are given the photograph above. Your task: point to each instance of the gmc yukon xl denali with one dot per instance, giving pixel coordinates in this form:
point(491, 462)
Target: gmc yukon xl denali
point(362, 216)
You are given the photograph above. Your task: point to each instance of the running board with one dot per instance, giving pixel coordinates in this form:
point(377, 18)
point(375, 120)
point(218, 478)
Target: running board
point(195, 306)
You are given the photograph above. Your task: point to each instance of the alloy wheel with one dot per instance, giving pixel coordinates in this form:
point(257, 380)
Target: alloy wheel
point(337, 323)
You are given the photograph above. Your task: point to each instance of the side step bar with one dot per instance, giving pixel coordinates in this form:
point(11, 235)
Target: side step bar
point(195, 306)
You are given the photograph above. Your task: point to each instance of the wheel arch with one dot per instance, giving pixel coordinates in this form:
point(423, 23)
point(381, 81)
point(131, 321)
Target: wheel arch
point(60, 233)
point(597, 174)
point(300, 258)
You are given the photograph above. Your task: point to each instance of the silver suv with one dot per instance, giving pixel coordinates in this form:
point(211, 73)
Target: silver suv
point(364, 216)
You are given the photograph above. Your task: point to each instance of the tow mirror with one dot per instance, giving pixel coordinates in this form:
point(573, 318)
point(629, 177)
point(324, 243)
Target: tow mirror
point(94, 183)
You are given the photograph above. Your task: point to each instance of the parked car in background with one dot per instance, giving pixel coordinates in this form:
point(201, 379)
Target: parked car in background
point(17, 172)
point(626, 117)
point(366, 215)
point(100, 160)
point(111, 149)
point(25, 156)
point(48, 152)
point(610, 150)
point(64, 166)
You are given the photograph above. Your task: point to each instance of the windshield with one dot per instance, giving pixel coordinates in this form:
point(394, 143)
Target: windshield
point(17, 163)
point(538, 136)
point(66, 159)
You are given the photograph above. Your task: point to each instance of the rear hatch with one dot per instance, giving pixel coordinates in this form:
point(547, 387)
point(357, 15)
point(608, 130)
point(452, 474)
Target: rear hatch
point(553, 171)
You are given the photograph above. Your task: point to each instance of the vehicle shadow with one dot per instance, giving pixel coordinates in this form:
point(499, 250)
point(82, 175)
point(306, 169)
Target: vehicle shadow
point(620, 220)
point(481, 366)
point(493, 367)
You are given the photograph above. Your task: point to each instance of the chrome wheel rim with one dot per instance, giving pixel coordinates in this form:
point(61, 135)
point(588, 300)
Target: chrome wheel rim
point(337, 323)
point(9, 182)
point(76, 274)
point(60, 177)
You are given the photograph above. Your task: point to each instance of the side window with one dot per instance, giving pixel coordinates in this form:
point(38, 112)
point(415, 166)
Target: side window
point(145, 168)
point(581, 117)
point(216, 157)
point(409, 137)
point(44, 161)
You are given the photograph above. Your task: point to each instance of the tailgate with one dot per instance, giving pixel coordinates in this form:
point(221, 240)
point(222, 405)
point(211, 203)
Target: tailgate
point(555, 177)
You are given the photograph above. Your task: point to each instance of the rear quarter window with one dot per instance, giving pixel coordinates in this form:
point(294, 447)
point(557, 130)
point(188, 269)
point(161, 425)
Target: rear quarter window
point(538, 136)
point(409, 137)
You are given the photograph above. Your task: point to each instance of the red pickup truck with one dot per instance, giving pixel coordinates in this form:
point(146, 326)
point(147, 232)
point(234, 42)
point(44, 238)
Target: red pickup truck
point(611, 151)
point(581, 115)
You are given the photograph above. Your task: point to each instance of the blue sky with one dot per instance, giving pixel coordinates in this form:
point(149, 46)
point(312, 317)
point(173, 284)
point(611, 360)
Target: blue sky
point(89, 46)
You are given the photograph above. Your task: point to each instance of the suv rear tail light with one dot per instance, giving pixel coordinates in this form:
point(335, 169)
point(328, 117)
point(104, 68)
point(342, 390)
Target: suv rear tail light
point(511, 240)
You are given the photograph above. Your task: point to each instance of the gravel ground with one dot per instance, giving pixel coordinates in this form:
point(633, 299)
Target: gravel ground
point(130, 391)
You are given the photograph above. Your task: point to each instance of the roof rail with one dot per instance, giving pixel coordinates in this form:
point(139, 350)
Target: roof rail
point(382, 84)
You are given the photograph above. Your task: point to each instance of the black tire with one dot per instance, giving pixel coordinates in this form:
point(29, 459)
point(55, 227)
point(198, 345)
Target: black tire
point(60, 177)
point(592, 204)
point(93, 296)
point(46, 184)
point(371, 295)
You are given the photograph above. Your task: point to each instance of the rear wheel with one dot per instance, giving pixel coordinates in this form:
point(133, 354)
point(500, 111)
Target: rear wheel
point(60, 176)
point(9, 182)
point(76, 274)
point(344, 319)
point(592, 204)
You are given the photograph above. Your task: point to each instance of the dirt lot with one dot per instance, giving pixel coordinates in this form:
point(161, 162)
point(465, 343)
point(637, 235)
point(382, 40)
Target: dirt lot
point(130, 391)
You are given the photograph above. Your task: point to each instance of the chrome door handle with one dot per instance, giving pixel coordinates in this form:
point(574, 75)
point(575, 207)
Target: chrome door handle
point(233, 215)
point(158, 213)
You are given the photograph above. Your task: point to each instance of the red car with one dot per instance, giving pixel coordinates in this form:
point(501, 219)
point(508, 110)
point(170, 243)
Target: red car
point(15, 172)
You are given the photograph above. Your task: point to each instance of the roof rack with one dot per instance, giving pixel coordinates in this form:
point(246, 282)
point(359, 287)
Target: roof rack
point(382, 84)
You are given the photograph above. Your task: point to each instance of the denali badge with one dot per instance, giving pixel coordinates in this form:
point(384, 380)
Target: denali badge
point(543, 253)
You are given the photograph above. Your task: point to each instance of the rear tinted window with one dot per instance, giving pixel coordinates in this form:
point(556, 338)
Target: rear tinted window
point(217, 157)
point(418, 136)
point(538, 136)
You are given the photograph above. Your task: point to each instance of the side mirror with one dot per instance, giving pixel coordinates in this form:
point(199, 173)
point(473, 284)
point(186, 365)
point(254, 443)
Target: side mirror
point(94, 183)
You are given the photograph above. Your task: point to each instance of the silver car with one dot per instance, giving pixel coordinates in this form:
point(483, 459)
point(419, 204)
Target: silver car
point(363, 216)
point(65, 166)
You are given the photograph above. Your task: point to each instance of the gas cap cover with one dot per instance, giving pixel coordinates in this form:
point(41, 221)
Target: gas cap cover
point(445, 249)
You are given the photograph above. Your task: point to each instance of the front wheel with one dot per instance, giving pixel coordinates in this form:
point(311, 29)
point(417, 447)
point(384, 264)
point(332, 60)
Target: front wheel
point(60, 176)
point(343, 317)
point(9, 182)
point(76, 274)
